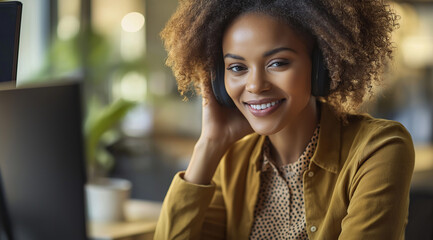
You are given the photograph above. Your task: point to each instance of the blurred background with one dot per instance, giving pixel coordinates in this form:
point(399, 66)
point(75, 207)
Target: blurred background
point(115, 46)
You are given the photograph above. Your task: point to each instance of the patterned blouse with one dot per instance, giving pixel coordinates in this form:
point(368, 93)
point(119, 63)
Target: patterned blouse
point(280, 210)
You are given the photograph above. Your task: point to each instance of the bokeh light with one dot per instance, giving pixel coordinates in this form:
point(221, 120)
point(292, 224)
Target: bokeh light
point(133, 86)
point(68, 27)
point(132, 22)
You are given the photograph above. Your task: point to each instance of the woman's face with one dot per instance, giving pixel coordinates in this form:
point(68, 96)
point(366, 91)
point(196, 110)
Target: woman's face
point(267, 71)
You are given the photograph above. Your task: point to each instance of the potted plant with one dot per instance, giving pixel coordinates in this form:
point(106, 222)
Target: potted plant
point(105, 196)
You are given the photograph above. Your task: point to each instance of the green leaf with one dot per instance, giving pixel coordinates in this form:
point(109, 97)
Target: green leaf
point(100, 123)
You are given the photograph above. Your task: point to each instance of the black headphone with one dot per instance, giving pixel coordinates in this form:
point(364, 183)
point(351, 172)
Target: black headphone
point(320, 80)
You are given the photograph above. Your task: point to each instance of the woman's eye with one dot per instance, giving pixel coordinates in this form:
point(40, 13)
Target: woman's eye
point(278, 64)
point(236, 68)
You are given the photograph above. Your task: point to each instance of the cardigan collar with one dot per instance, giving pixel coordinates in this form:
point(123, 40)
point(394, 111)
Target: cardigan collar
point(327, 154)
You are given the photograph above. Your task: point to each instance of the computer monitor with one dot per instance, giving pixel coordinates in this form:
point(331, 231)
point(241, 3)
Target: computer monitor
point(42, 163)
point(10, 22)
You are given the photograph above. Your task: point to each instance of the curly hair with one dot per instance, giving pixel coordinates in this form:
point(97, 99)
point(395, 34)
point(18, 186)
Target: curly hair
point(354, 36)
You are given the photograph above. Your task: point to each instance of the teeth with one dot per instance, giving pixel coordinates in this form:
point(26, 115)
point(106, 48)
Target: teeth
point(264, 105)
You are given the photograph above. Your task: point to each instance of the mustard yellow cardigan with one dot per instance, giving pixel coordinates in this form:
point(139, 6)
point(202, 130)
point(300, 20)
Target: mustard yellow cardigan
point(357, 186)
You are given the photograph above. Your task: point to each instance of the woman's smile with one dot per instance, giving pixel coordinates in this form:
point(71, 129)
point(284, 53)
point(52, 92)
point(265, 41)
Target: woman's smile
point(264, 107)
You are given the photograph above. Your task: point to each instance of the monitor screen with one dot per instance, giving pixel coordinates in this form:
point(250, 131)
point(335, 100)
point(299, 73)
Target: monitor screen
point(42, 162)
point(10, 22)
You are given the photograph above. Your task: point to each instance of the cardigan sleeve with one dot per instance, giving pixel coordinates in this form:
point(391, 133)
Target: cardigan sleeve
point(379, 192)
point(192, 211)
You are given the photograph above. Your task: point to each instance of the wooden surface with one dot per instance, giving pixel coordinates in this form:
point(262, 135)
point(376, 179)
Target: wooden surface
point(141, 218)
point(423, 157)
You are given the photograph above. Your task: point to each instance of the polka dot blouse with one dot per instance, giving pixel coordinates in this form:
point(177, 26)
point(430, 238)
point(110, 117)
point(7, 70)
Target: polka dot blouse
point(280, 211)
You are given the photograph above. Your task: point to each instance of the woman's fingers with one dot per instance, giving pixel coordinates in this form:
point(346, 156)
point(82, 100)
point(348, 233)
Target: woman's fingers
point(220, 122)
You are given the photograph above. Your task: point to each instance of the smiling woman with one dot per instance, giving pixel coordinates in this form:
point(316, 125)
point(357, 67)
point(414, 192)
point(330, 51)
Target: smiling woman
point(268, 63)
point(287, 162)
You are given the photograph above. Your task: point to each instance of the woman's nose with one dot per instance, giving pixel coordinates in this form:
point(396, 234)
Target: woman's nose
point(257, 82)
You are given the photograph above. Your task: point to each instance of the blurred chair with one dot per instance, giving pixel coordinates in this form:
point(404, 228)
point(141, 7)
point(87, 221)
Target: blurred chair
point(420, 225)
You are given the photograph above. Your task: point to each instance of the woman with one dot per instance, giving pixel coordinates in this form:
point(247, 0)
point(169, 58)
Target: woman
point(289, 161)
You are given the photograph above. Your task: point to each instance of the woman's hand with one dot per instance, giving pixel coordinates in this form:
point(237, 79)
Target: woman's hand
point(221, 127)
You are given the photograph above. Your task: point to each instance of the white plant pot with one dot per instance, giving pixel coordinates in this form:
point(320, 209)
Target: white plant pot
point(106, 198)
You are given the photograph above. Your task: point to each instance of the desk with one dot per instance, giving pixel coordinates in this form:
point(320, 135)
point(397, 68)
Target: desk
point(141, 218)
point(423, 157)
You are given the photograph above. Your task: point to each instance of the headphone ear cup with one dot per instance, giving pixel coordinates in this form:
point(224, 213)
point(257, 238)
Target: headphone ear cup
point(218, 86)
point(320, 80)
